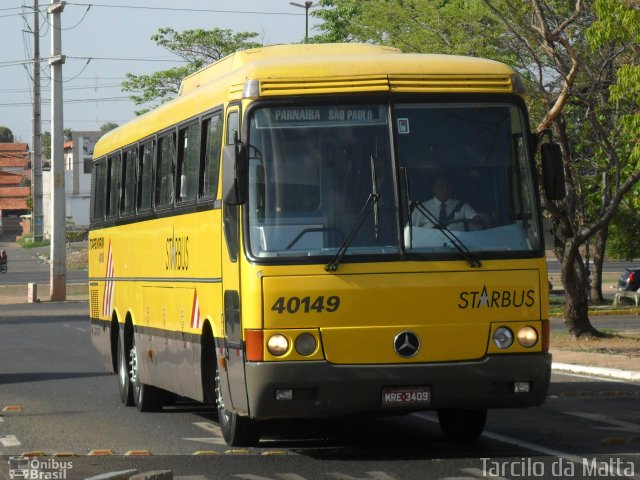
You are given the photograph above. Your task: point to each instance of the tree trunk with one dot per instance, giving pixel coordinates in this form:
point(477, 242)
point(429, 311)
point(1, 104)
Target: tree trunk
point(576, 309)
point(598, 260)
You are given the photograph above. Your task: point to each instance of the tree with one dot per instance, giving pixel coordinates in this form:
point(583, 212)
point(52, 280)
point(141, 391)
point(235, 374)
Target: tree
point(197, 48)
point(107, 127)
point(6, 135)
point(569, 81)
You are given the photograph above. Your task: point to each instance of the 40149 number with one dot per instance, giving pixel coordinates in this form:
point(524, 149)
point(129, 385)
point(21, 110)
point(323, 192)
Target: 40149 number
point(306, 304)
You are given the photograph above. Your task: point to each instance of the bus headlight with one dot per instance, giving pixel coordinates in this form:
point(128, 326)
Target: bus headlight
point(305, 344)
point(527, 337)
point(503, 337)
point(278, 345)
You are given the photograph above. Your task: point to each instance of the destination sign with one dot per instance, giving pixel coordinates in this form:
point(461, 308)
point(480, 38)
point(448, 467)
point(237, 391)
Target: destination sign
point(320, 116)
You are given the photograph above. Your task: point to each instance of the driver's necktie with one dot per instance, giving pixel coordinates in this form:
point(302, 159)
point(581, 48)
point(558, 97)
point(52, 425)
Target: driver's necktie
point(443, 213)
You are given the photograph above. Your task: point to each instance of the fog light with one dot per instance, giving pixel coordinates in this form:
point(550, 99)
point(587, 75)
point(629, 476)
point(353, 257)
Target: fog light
point(284, 394)
point(521, 387)
point(527, 337)
point(503, 337)
point(305, 344)
point(278, 345)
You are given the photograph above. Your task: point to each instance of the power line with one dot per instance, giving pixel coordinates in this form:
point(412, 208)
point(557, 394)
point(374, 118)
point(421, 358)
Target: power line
point(176, 9)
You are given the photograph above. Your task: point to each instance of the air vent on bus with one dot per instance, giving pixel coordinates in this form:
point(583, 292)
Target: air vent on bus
point(451, 83)
point(284, 86)
point(95, 308)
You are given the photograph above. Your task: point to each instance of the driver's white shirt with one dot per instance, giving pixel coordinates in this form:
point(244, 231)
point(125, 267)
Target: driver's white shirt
point(465, 212)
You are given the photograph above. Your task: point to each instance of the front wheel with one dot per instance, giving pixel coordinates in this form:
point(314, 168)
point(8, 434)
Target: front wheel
point(462, 426)
point(238, 431)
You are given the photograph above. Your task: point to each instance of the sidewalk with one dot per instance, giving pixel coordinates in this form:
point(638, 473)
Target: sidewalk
point(615, 367)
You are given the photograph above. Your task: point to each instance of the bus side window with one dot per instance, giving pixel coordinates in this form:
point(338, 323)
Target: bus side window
point(145, 176)
point(188, 153)
point(129, 160)
point(113, 185)
point(165, 171)
point(99, 190)
point(210, 156)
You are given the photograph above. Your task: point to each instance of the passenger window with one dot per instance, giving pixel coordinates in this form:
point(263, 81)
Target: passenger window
point(113, 185)
point(129, 160)
point(165, 171)
point(99, 190)
point(188, 153)
point(145, 176)
point(210, 156)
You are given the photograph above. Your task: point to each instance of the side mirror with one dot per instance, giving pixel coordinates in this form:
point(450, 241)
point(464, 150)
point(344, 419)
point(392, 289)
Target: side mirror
point(234, 174)
point(552, 171)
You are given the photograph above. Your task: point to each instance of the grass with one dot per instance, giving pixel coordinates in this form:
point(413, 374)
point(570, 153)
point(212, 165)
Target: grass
point(26, 242)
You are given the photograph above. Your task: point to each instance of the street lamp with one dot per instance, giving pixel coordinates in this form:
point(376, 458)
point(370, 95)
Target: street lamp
point(307, 5)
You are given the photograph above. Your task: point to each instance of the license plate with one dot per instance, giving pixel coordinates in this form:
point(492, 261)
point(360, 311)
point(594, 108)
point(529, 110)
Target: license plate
point(406, 396)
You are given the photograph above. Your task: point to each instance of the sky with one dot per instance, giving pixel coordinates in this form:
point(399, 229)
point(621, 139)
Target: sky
point(104, 40)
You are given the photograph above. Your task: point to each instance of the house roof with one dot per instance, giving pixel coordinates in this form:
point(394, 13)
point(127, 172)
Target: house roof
point(13, 204)
point(8, 179)
point(14, 198)
point(14, 155)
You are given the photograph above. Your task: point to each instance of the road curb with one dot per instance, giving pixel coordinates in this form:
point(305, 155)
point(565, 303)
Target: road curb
point(613, 373)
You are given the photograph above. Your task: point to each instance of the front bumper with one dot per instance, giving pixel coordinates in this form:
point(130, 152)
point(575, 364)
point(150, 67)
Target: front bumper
point(321, 389)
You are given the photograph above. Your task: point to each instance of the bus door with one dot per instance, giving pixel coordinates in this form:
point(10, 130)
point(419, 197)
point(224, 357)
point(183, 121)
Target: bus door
point(232, 377)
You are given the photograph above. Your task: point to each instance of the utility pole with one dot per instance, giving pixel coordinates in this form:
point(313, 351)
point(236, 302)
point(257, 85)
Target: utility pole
point(36, 140)
point(58, 228)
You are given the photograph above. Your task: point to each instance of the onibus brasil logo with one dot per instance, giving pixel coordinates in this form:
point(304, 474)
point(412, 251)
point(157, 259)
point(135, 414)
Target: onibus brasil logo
point(38, 469)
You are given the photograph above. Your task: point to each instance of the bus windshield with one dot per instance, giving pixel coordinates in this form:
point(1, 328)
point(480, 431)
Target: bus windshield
point(319, 174)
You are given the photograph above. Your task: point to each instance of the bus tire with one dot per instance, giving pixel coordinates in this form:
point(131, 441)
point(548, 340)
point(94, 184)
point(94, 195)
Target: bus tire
point(462, 426)
point(237, 430)
point(124, 382)
point(145, 397)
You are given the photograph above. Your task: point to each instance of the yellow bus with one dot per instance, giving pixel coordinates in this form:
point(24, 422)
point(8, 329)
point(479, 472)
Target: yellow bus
point(266, 241)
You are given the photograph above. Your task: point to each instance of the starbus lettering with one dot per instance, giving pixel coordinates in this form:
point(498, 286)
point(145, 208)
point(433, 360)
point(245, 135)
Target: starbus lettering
point(177, 253)
point(496, 298)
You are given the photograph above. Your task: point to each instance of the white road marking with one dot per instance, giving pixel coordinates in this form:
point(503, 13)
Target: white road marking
point(618, 425)
point(214, 430)
point(209, 427)
point(9, 441)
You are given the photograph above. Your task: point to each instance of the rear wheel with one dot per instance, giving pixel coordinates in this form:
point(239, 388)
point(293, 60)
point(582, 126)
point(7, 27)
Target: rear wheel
point(462, 426)
point(124, 384)
point(238, 431)
point(146, 397)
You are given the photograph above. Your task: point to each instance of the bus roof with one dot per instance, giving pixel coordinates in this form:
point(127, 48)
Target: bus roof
point(315, 69)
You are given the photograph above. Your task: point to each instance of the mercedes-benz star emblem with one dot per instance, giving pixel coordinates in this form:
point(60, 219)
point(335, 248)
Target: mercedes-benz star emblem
point(406, 344)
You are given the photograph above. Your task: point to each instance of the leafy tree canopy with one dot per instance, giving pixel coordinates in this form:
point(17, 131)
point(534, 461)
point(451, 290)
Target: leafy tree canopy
point(6, 135)
point(197, 48)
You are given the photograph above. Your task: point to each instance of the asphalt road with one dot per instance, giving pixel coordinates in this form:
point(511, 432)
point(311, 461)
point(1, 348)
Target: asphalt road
point(27, 266)
point(57, 398)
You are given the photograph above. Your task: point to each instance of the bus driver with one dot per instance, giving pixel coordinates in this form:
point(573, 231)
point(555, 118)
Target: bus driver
point(450, 212)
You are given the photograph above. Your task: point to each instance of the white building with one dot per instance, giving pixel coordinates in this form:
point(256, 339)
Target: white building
point(78, 157)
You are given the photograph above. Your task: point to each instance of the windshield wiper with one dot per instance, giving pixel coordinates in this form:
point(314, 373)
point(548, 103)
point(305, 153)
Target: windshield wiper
point(332, 266)
point(455, 241)
point(374, 191)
